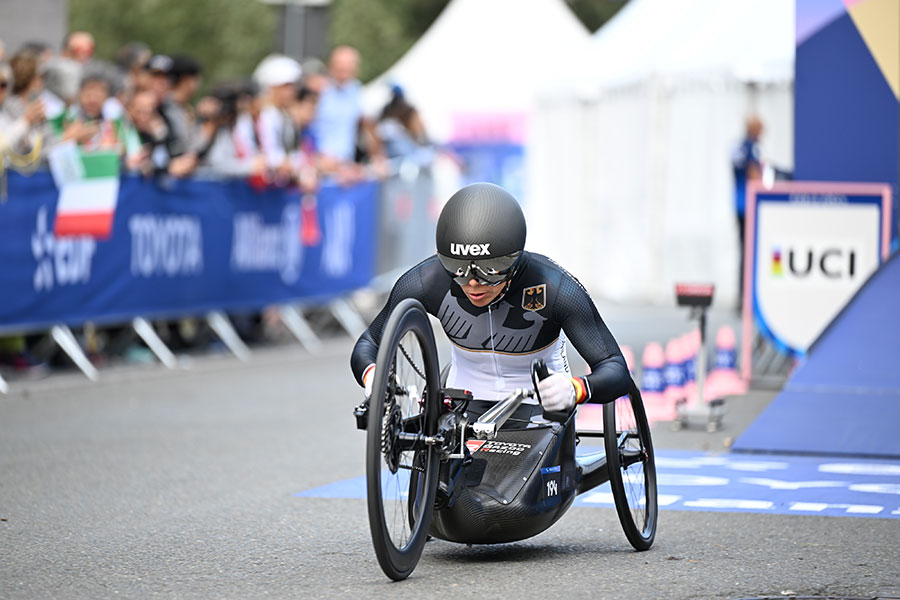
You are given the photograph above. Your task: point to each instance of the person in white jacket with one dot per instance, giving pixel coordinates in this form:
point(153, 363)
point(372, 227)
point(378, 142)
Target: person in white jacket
point(279, 77)
point(21, 115)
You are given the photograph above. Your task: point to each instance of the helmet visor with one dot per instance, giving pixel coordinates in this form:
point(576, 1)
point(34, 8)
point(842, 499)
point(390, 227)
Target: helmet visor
point(486, 271)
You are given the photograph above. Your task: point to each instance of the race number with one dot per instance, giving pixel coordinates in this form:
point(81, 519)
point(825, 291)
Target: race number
point(552, 488)
point(550, 482)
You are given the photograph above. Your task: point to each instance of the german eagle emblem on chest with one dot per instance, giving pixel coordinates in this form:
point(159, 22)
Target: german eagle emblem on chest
point(534, 297)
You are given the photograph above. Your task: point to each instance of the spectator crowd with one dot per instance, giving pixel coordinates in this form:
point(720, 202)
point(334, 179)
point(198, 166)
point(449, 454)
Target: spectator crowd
point(284, 125)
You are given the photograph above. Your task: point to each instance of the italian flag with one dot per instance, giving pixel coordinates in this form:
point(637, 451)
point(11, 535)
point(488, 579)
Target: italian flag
point(87, 203)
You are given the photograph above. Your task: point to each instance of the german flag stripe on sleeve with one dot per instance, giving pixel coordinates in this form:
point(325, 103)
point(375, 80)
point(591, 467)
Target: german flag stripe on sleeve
point(580, 390)
point(366, 373)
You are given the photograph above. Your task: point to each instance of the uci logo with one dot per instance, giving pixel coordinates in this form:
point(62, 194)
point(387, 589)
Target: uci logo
point(833, 263)
point(469, 249)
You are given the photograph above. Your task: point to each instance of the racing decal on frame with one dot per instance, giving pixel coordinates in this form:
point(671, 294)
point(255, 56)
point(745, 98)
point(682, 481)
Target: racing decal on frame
point(474, 445)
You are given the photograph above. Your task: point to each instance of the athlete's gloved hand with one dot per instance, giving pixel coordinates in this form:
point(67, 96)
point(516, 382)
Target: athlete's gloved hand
point(557, 393)
point(369, 379)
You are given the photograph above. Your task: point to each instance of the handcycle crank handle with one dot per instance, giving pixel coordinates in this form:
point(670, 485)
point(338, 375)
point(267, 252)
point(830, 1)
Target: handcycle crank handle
point(540, 372)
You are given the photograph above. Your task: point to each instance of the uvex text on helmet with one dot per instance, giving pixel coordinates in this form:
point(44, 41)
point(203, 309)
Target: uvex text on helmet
point(479, 221)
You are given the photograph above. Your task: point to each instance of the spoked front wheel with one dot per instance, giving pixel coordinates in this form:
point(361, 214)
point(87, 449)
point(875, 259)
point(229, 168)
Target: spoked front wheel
point(401, 464)
point(632, 469)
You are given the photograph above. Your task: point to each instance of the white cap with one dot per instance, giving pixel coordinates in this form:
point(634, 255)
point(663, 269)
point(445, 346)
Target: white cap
point(277, 69)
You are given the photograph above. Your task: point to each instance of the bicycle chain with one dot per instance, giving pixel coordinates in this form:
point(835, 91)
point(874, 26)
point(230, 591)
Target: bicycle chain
point(410, 361)
point(387, 426)
point(386, 445)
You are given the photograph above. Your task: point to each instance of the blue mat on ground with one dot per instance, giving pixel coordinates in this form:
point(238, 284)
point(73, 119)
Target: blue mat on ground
point(845, 398)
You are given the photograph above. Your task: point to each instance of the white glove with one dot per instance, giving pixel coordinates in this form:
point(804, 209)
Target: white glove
point(557, 393)
point(369, 379)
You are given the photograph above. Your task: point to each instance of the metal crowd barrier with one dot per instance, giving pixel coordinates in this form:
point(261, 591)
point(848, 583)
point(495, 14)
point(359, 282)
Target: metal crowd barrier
point(202, 248)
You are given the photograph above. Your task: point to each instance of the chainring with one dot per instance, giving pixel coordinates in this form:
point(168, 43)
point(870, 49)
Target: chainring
point(393, 425)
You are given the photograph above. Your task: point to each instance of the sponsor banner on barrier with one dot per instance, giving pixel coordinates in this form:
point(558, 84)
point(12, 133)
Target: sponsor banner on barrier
point(188, 248)
point(810, 247)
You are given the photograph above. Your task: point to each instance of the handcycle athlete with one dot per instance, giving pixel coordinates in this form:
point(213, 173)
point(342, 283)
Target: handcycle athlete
point(474, 458)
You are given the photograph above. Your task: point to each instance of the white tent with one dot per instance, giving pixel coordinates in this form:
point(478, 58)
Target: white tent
point(482, 57)
point(632, 142)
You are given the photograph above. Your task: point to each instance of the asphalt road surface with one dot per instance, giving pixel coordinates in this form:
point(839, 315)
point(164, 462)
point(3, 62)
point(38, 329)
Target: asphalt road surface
point(182, 484)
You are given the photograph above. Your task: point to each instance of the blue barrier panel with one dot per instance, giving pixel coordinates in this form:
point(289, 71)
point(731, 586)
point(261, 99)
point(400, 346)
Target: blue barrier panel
point(845, 398)
point(181, 248)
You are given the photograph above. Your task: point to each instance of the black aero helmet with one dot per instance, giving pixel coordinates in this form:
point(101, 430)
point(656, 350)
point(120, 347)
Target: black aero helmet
point(481, 234)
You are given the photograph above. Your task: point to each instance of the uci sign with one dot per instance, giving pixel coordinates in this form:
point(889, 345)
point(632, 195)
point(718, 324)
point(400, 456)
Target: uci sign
point(810, 246)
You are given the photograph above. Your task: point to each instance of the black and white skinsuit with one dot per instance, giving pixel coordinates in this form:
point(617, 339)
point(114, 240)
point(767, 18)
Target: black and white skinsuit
point(493, 346)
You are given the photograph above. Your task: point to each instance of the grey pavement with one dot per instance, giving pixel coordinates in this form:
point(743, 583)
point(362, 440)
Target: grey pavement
point(180, 484)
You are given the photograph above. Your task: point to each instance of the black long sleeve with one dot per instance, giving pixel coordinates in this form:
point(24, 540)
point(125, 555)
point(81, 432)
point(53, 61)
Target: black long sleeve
point(609, 377)
point(366, 349)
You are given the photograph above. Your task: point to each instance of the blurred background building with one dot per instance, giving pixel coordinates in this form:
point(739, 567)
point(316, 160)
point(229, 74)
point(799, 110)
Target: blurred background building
point(302, 29)
point(23, 21)
point(614, 122)
point(634, 136)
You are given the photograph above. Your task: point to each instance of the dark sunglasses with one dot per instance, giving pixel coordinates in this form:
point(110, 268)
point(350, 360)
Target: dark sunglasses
point(486, 271)
point(3, 85)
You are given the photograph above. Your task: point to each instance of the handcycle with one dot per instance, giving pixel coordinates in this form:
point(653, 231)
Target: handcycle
point(440, 463)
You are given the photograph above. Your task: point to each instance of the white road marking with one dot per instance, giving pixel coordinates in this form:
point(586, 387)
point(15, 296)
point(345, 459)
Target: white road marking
point(607, 498)
point(778, 484)
point(876, 488)
point(667, 499)
point(599, 498)
point(809, 506)
point(698, 462)
point(861, 469)
point(675, 479)
point(729, 503)
point(864, 509)
point(756, 465)
point(857, 509)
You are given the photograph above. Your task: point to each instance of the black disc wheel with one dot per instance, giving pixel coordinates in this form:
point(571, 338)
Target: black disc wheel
point(632, 470)
point(402, 460)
